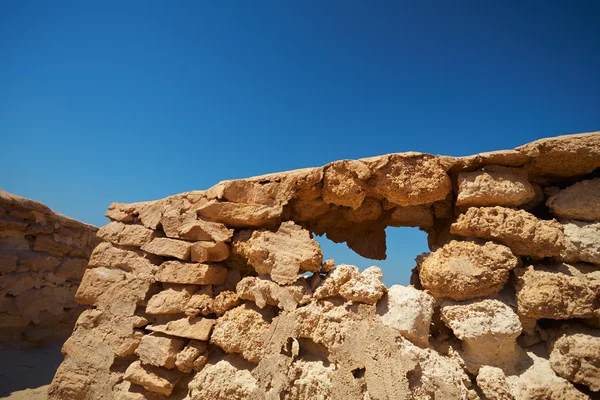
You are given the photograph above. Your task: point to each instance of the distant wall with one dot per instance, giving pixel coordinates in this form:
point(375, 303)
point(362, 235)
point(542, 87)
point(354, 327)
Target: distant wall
point(43, 256)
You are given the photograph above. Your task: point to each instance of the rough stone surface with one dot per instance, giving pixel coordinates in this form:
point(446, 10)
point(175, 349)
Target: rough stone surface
point(191, 328)
point(522, 232)
point(466, 270)
point(582, 242)
point(409, 311)
point(209, 251)
point(282, 254)
point(152, 379)
point(159, 350)
point(494, 185)
point(265, 292)
point(169, 248)
point(191, 273)
point(580, 201)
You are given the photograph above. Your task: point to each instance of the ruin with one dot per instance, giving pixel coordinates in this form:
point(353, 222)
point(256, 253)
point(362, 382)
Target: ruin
point(43, 256)
point(224, 293)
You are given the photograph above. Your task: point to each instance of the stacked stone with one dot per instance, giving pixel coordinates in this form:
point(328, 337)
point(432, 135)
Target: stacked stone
point(224, 293)
point(43, 256)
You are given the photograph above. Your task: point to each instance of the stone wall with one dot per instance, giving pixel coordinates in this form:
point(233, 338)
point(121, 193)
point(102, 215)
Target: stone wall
point(43, 256)
point(224, 293)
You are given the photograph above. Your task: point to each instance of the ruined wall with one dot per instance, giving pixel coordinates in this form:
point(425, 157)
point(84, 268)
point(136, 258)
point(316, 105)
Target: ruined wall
point(43, 256)
point(224, 294)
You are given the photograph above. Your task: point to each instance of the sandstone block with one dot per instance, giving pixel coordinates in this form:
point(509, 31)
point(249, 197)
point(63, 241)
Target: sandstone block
point(265, 292)
point(494, 186)
point(225, 301)
point(50, 244)
point(580, 201)
point(191, 328)
point(192, 357)
point(209, 251)
point(364, 288)
point(228, 378)
point(106, 255)
point(201, 302)
point(171, 300)
point(169, 248)
point(409, 311)
point(40, 262)
point(152, 379)
point(72, 268)
point(521, 231)
point(488, 329)
point(369, 210)
point(159, 350)
point(126, 234)
point(416, 216)
point(344, 183)
point(282, 254)
point(492, 382)
point(466, 270)
point(239, 215)
point(575, 356)
point(241, 330)
point(545, 292)
point(8, 263)
point(191, 273)
point(582, 242)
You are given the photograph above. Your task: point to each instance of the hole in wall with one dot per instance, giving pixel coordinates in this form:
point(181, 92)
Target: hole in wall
point(358, 373)
point(403, 246)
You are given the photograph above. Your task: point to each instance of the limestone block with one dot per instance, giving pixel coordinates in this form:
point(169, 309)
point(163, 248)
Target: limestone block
point(192, 357)
point(171, 300)
point(580, 201)
point(494, 185)
point(228, 378)
point(169, 248)
point(466, 270)
point(40, 262)
point(191, 328)
point(239, 215)
point(191, 273)
point(126, 234)
point(409, 311)
point(152, 379)
point(582, 242)
point(266, 292)
point(8, 263)
point(225, 301)
point(416, 216)
point(209, 251)
point(344, 183)
point(282, 254)
point(521, 231)
point(159, 350)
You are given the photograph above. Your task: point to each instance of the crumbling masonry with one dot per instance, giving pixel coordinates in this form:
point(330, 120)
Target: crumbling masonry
point(224, 294)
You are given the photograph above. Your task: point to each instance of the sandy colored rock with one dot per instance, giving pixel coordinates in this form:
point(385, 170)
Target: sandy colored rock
point(159, 350)
point(582, 242)
point(191, 273)
point(544, 292)
point(369, 210)
point(8, 263)
point(169, 248)
point(492, 382)
point(283, 254)
point(466, 270)
point(265, 292)
point(109, 256)
point(38, 262)
point(365, 288)
point(153, 379)
point(239, 215)
point(521, 231)
point(51, 244)
point(125, 234)
point(580, 201)
point(191, 328)
point(209, 251)
point(415, 216)
point(310, 380)
point(171, 300)
point(241, 330)
point(409, 311)
point(344, 183)
point(575, 355)
point(228, 378)
point(409, 179)
point(192, 227)
point(192, 357)
point(200, 302)
point(225, 301)
point(567, 155)
point(494, 185)
point(488, 329)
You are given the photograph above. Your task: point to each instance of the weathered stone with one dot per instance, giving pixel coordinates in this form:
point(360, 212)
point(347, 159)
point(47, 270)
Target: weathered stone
point(125, 234)
point(580, 201)
point(50, 244)
point(228, 378)
point(265, 292)
point(545, 292)
point(238, 215)
point(521, 231)
point(282, 254)
point(153, 379)
point(209, 251)
point(172, 300)
point(466, 270)
point(191, 328)
point(416, 216)
point(582, 242)
point(488, 329)
point(344, 183)
point(409, 311)
point(72, 268)
point(225, 301)
point(107, 255)
point(364, 288)
point(169, 248)
point(40, 262)
point(159, 350)
point(369, 210)
point(192, 357)
point(241, 330)
point(494, 185)
point(409, 179)
point(492, 382)
point(8, 263)
point(191, 273)
point(201, 302)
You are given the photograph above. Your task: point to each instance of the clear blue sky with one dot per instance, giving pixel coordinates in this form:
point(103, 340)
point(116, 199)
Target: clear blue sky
point(129, 101)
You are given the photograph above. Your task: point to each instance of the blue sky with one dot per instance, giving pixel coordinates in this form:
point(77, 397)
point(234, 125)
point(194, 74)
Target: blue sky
point(130, 101)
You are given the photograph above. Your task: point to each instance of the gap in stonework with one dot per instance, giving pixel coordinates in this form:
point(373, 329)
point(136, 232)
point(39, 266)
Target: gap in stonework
point(403, 246)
